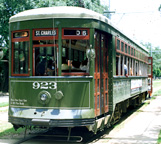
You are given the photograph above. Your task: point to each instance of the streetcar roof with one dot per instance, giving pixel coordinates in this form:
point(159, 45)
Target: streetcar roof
point(57, 12)
point(63, 12)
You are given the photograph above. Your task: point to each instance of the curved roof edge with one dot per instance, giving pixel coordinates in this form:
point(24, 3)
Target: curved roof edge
point(57, 12)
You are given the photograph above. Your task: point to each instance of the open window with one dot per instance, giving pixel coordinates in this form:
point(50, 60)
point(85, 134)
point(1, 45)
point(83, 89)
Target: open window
point(75, 43)
point(74, 59)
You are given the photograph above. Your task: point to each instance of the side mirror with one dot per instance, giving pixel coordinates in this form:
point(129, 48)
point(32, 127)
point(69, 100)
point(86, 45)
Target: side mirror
point(90, 53)
point(1, 53)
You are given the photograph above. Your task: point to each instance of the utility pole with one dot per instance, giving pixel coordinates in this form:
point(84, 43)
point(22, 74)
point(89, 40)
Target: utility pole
point(109, 8)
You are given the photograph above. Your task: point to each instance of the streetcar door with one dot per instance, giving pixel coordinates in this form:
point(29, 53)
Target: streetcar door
point(101, 74)
point(150, 75)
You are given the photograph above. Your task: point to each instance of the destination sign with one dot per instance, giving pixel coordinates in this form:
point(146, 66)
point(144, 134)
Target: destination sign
point(45, 33)
point(20, 34)
point(75, 32)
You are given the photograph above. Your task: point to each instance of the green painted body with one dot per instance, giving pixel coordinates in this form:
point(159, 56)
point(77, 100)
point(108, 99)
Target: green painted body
point(76, 93)
point(122, 88)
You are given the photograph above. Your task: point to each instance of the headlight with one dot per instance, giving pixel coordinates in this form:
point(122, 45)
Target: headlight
point(43, 97)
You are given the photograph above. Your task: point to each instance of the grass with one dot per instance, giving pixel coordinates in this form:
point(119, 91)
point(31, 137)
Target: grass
point(4, 104)
point(4, 127)
point(157, 84)
point(157, 93)
point(159, 138)
point(7, 130)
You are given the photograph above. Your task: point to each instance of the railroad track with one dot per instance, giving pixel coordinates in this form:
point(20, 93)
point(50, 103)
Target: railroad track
point(48, 137)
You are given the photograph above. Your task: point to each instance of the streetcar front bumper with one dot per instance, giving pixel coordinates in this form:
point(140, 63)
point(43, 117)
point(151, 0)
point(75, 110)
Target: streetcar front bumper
point(51, 117)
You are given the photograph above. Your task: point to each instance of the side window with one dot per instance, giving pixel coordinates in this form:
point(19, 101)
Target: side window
point(130, 60)
point(117, 64)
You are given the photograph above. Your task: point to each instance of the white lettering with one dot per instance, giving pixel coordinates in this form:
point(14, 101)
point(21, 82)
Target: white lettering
point(44, 85)
point(37, 33)
point(78, 32)
point(45, 33)
point(84, 33)
point(36, 85)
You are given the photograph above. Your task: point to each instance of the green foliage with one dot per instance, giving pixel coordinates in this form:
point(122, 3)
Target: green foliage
point(89, 4)
point(159, 8)
point(159, 138)
point(156, 54)
point(9, 8)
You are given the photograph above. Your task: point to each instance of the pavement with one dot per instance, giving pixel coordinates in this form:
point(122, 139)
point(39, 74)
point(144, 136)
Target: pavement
point(142, 127)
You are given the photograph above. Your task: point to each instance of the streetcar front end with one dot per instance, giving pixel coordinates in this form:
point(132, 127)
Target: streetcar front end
point(51, 70)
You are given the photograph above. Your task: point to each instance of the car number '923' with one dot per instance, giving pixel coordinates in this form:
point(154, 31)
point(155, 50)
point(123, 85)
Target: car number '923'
point(44, 85)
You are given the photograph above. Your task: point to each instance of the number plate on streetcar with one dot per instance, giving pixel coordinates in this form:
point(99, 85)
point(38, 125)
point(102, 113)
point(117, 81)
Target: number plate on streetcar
point(44, 85)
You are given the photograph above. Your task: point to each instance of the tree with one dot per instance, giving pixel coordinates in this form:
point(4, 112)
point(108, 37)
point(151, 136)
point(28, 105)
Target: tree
point(159, 8)
point(156, 54)
point(9, 8)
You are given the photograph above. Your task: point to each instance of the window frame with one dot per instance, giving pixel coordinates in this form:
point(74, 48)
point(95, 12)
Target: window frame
point(130, 54)
point(44, 37)
point(75, 37)
point(33, 56)
point(20, 39)
point(133, 55)
point(74, 73)
point(47, 37)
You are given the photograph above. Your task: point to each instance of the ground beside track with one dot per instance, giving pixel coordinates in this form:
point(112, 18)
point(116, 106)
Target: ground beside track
point(141, 127)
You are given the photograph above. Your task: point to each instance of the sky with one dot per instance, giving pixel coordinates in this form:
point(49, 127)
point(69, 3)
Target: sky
point(139, 19)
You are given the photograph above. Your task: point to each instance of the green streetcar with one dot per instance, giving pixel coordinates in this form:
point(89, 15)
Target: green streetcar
point(71, 67)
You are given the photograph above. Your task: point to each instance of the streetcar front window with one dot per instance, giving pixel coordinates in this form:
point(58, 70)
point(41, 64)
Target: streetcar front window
point(45, 61)
point(74, 60)
point(20, 57)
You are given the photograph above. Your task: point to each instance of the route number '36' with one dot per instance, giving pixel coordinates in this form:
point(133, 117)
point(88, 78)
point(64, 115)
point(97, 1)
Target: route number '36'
point(44, 85)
